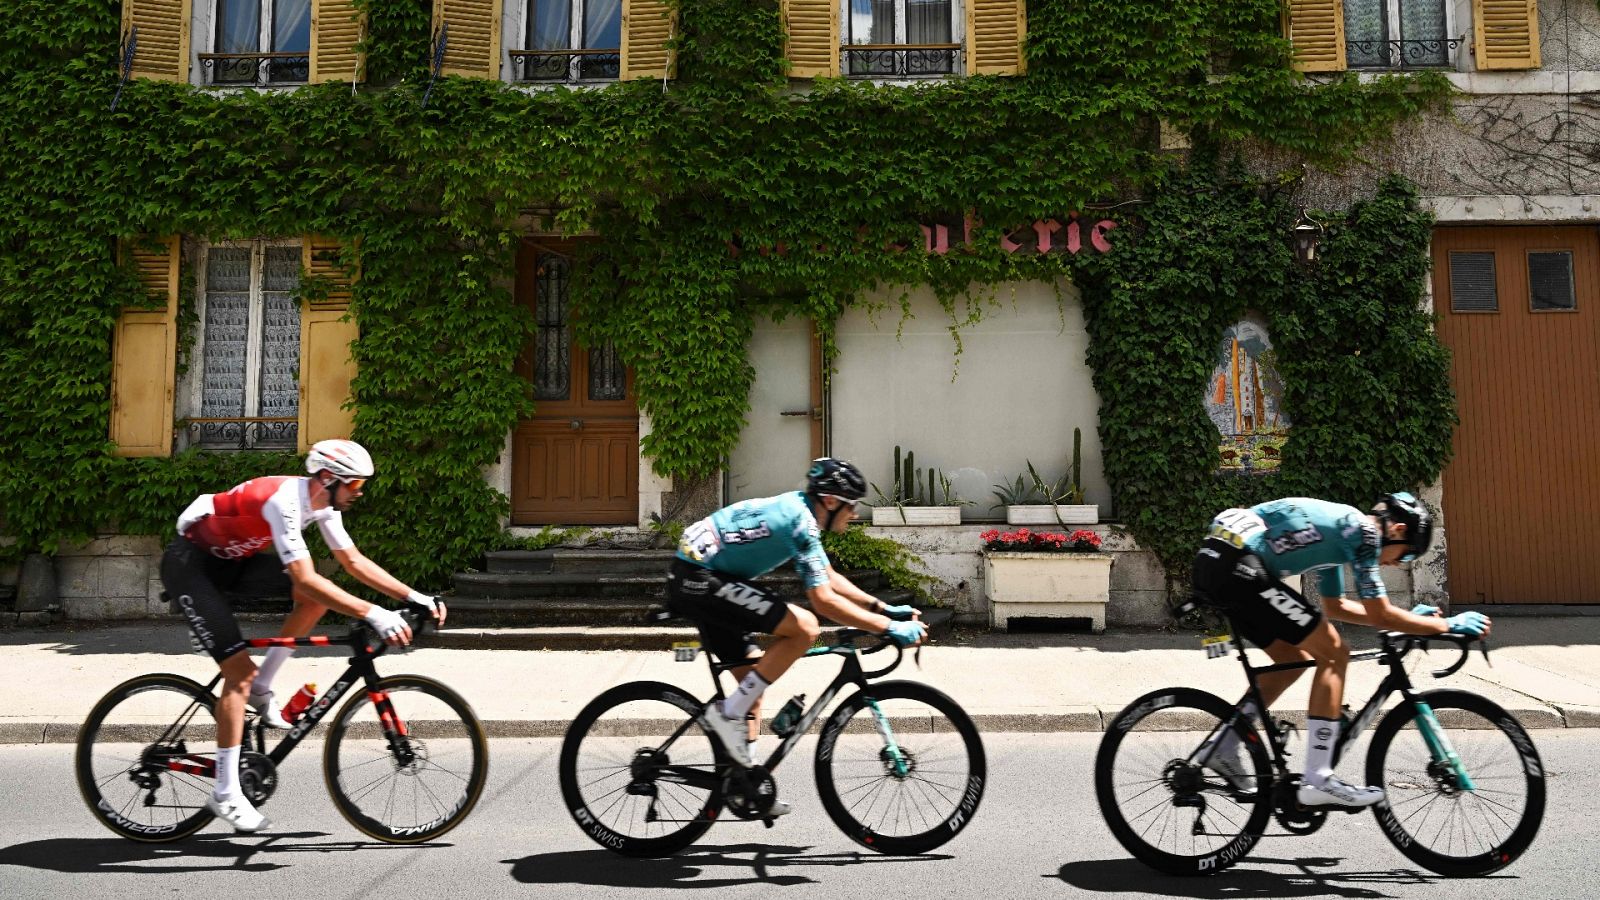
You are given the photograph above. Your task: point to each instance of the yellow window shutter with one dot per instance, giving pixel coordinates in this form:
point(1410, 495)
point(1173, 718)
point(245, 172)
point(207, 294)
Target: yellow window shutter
point(1316, 28)
point(647, 25)
point(995, 32)
point(336, 28)
point(811, 34)
point(472, 45)
point(327, 364)
point(144, 355)
point(161, 50)
point(1506, 33)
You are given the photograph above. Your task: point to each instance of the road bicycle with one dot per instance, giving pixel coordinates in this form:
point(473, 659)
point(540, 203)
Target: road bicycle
point(899, 765)
point(404, 761)
point(1464, 785)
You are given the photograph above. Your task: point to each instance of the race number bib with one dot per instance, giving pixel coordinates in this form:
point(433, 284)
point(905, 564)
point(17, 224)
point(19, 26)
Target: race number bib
point(699, 541)
point(1235, 526)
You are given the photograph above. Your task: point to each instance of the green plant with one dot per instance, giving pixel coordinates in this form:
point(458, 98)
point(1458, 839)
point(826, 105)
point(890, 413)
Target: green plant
point(546, 537)
point(665, 533)
point(909, 490)
point(855, 549)
point(1018, 492)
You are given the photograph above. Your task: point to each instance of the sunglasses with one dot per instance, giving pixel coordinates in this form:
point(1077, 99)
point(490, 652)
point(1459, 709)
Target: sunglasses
point(354, 484)
point(846, 500)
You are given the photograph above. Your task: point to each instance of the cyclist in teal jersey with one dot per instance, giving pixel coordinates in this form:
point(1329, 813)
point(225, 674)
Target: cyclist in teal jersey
point(1239, 570)
point(709, 583)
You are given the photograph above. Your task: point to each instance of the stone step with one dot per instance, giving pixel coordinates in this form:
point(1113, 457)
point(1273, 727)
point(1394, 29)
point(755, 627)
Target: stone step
point(468, 636)
point(580, 562)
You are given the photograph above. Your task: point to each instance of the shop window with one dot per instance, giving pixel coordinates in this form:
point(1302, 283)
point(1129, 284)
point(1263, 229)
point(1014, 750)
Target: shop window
point(1472, 286)
point(1550, 280)
point(246, 360)
point(1398, 34)
point(248, 43)
point(900, 38)
point(569, 41)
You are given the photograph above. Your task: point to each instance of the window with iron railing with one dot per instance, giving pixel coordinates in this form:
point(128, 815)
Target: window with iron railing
point(255, 43)
point(569, 41)
point(246, 368)
point(900, 38)
point(1399, 34)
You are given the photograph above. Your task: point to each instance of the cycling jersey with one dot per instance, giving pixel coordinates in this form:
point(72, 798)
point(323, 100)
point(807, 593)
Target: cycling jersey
point(753, 537)
point(1299, 534)
point(274, 509)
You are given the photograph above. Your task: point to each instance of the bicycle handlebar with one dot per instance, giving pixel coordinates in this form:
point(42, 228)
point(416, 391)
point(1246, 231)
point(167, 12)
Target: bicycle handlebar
point(846, 637)
point(1463, 643)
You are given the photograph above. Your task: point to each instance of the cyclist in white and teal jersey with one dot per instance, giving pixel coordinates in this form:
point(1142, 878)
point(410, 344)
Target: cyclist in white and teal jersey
point(710, 583)
point(1240, 570)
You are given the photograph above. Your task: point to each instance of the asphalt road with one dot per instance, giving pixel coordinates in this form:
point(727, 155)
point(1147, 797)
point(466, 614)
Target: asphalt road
point(1038, 833)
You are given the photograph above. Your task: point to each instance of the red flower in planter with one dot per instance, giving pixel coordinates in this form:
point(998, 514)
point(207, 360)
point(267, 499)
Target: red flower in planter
point(1080, 541)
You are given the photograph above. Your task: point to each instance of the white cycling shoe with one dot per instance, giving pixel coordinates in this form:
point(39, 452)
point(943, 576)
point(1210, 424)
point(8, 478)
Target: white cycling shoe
point(1334, 792)
point(1229, 762)
point(733, 734)
point(270, 710)
point(238, 812)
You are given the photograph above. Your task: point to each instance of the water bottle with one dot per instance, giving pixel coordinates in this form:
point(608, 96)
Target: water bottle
point(787, 718)
point(298, 703)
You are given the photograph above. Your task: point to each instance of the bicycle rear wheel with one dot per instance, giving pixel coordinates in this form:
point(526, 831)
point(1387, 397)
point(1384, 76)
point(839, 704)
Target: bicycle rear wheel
point(1428, 816)
point(1158, 798)
point(142, 758)
point(638, 773)
point(910, 798)
point(411, 776)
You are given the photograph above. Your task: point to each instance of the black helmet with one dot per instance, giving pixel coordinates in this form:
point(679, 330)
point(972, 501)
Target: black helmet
point(1406, 509)
point(835, 478)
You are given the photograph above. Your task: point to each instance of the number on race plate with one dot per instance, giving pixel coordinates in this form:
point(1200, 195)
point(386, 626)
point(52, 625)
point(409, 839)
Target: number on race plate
point(685, 651)
point(1217, 645)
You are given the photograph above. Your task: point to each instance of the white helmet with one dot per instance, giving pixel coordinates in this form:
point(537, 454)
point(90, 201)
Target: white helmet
point(345, 459)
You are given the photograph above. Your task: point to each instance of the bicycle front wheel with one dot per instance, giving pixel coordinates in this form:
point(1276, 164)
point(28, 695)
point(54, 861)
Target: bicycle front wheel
point(900, 768)
point(1159, 799)
point(405, 761)
point(145, 757)
point(638, 773)
point(1432, 818)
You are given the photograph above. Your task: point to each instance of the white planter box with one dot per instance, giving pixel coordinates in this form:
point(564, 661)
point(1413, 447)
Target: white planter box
point(1045, 514)
point(916, 515)
point(1064, 585)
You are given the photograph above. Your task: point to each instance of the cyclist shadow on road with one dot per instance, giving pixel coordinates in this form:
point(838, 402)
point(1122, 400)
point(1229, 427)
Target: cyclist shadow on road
point(205, 853)
point(1313, 876)
point(696, 867)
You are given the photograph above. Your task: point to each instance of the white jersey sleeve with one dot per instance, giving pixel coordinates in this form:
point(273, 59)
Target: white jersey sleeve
point(333, 533)
point(284, 515)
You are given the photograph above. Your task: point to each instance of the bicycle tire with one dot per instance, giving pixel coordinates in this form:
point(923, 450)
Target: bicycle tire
point(1171, 741)
point(186, 792)
point(431, 734)
point(1488, 764)
point(662, 709)
point(954, 788)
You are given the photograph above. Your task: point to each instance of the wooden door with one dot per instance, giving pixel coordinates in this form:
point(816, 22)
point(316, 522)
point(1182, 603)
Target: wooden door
point(1519, 308)
point(576, 461)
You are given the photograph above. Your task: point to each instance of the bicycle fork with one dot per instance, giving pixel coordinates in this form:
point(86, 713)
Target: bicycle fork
point(890, 746)
point(1444, 753)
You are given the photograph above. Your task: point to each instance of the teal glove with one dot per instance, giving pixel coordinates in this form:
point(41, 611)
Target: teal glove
point(1423, 609)
point(903, 613)
point(906, 633)
point(1473, 623)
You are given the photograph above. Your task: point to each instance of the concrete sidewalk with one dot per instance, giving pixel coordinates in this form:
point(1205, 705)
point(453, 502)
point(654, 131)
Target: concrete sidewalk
point(1545, 670)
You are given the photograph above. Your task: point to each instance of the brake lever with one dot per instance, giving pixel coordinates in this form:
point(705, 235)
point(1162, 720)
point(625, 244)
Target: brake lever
point(1483, 645)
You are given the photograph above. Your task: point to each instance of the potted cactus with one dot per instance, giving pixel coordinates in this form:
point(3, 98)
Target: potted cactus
point(1037, 501)
point(916, 497)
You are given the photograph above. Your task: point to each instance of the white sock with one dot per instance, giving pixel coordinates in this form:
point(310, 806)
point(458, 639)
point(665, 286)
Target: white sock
point(1247, 713)
point(1322, 735)
point(276, 657)
point(227, 773)
point(745, 697)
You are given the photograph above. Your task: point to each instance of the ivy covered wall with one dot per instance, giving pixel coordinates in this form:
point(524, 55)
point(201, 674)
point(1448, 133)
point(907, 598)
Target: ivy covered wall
point(667, 176)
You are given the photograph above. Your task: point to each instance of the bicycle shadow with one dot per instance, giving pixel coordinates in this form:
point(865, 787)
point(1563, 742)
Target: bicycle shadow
point(223, 852)
point(1243, 880)
point(689, 869)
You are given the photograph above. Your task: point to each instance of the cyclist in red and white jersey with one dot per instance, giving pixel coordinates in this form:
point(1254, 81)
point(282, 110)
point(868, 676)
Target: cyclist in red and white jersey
point(217, 550)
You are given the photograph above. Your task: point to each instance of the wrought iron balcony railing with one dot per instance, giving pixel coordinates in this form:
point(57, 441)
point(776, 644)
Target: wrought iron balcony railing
point(245, 69)
point(545, 66)
point(244, 432)
point(1427, 53)
point(899, 60)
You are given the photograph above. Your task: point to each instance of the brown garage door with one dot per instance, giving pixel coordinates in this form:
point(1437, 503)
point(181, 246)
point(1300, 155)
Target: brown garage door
point(1519, 307)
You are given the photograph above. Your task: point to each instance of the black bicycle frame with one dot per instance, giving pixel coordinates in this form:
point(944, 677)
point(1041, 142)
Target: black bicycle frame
point(850, 673)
